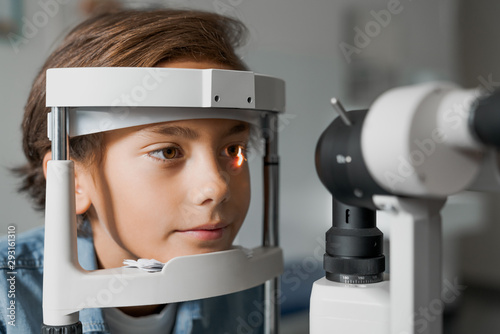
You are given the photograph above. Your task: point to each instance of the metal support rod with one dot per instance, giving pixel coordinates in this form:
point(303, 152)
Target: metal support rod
point(60, 141)
point(339, 108)
point(271, 180)
point(271, 210)
point(60, 224)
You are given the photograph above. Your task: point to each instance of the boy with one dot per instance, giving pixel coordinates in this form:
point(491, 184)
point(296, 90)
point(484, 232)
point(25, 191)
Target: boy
point(134, 186)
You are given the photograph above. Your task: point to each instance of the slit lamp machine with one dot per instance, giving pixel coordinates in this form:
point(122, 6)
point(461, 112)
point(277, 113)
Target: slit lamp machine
point(412, 149)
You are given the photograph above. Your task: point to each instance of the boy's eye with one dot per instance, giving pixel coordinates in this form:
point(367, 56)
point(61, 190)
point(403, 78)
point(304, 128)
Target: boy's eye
point(167, 153)
point(237, 152)
point(234, 150)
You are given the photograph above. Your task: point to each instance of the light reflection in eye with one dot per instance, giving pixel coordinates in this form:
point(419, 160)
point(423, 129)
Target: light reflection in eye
point(240, 157)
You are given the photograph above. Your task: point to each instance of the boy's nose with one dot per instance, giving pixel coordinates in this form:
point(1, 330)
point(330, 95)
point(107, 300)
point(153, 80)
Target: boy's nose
point(212, 184)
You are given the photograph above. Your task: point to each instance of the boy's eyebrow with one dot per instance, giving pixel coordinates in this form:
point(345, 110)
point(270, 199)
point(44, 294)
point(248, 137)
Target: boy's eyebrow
point(174, 130)
point(241, 127)
point(188, 133)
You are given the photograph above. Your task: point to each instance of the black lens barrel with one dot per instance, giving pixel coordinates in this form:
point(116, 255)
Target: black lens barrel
point(354, 246)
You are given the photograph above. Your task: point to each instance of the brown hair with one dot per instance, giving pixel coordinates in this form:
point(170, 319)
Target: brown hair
point(126, 38)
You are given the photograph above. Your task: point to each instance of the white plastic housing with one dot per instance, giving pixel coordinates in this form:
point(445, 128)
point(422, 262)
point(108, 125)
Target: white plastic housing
point(349, 308)
point(416, 140)
point(415, 267)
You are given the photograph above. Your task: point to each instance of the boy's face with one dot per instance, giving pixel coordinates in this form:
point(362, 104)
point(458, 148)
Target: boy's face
point(171, 189)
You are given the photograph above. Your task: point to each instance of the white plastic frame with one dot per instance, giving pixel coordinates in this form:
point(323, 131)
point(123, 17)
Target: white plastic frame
point(90, 100)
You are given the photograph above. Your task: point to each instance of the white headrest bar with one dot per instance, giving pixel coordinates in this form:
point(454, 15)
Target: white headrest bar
point(109, 98)
point(163, 87)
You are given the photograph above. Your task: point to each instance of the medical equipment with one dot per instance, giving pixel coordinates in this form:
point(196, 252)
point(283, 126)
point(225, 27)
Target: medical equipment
point(91, 100)
point(412, 149)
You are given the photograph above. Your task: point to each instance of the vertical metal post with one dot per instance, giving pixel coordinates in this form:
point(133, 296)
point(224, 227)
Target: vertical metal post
point(271, 210)
point(60, 226)
point(59, 135)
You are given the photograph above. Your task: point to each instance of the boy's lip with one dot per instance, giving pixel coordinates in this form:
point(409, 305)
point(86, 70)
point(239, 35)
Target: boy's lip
point(209, 226)
point(210, 231)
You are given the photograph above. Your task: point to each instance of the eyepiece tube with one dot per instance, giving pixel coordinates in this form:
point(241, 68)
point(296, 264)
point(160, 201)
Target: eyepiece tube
point(485, 119)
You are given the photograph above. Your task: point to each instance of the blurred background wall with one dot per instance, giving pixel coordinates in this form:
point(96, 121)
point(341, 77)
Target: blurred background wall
point(351, 49)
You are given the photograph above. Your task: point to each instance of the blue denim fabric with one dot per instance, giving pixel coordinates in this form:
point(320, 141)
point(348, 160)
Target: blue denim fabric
point(236, 313)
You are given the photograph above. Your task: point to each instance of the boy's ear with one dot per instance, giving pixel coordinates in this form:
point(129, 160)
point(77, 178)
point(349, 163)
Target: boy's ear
point(46, 158)
point(82, 190)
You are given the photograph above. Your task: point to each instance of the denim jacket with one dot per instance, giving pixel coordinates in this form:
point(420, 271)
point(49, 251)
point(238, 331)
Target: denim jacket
point(21, 286)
